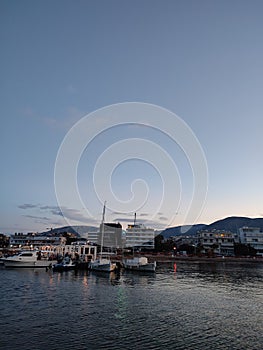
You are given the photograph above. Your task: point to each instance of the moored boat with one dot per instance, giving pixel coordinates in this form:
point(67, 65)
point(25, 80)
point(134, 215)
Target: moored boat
point(65, 265)
point(139, 264)
point(28, 258)
point(103, 262)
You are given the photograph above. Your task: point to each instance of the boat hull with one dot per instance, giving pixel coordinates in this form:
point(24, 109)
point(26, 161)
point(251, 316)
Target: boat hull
point(27, 264)
point(100, 266)
point(139, 264)
point(150, 267)
point(60, 267)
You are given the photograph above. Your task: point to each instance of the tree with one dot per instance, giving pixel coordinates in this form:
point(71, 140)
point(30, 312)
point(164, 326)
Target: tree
point(163, 246)
point(70, 238)
point(241, 249)
point(188, 248)
point(158, 242)
point(212, 250)
point(199, 249)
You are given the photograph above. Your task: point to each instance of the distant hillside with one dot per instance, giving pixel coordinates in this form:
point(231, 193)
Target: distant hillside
point(231, 224)
point(78, 230)
point(182, 230)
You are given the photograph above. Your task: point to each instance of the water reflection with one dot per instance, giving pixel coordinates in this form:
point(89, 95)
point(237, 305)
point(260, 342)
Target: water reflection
point(181, 306)
point(175, 267)
point(122, 304)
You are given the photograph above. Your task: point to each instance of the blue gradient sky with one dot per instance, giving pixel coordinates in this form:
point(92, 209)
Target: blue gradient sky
point(61, 60)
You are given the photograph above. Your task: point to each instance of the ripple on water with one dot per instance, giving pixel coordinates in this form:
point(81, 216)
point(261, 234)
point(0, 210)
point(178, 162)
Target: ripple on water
point(194, 307)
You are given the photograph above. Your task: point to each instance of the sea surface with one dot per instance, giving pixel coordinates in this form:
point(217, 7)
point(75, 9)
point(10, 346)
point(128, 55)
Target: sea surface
point(193, 305)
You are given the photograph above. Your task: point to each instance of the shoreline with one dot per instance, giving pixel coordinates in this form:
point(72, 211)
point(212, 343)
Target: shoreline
point(168, 259)
point(165, 258)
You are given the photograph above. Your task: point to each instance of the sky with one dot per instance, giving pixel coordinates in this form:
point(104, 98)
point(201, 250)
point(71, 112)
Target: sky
point(72, 72)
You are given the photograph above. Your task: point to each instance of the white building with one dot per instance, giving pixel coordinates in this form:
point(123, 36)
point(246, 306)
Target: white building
point(217, 241)
point(139, 236)
point(34, 240)
point(85, 252)
point(93, 237)
point(252, 236)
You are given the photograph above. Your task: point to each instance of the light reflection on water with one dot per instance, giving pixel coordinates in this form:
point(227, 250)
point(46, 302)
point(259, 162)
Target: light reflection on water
point(187, 306)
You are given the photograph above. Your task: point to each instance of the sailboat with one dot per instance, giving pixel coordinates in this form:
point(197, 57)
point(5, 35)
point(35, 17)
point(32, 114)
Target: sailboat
point(103, 262)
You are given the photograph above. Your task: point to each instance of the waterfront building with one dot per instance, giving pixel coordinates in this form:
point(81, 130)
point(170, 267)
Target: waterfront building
point(140, 237)
point(252, 236)
point(85, 252)
point(112, 235)
point(187, 240)
point(217, 241)
point(33, 240)
point(93, 237)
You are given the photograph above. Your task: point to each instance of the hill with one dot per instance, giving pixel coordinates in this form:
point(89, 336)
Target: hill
point(231, 224)
point(80, 231)
point(182, 230)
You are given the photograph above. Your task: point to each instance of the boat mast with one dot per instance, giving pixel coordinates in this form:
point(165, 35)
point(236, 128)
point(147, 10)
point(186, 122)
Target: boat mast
point(102, 229)
point(134, 228)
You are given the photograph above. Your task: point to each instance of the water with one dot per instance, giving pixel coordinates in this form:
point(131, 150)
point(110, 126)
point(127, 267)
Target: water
point(187, 306)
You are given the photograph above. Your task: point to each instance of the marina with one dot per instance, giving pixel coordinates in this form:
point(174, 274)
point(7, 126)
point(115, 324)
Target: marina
point(67, 290)
point(62, 257)
point(131, 175)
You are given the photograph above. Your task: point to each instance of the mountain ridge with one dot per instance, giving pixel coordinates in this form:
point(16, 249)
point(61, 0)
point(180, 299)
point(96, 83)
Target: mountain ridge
point(77, 230)
point(231, 223)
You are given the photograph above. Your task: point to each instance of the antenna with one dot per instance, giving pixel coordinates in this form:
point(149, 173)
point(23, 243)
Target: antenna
point(103, 213)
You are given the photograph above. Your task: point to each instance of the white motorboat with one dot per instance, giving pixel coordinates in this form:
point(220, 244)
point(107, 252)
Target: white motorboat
point(139, 264)
point(28, 258)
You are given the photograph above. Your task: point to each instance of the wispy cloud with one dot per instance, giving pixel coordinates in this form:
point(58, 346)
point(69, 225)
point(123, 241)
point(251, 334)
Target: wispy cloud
point(163, 218)
point(121, 213)
point(123, 219)
point(37, 217)
point(151, 223)
point(48, 207)
point(131, 214)
point(56, 212)
point(53, 215)
point(73, 214)
point(27, 206)
point(52, 211)
point(62, 122)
